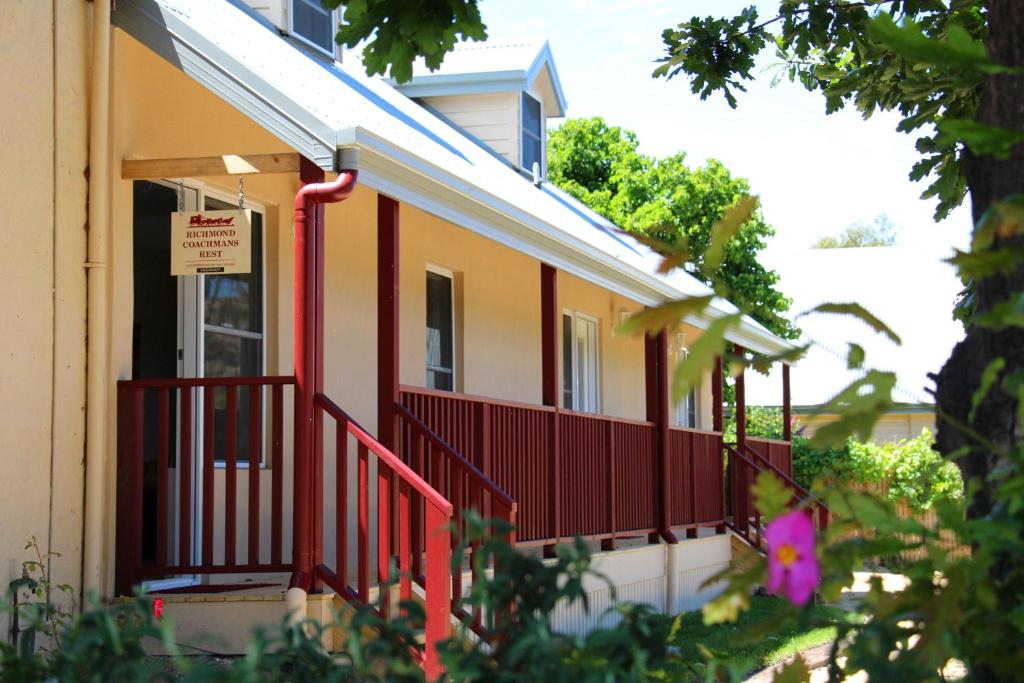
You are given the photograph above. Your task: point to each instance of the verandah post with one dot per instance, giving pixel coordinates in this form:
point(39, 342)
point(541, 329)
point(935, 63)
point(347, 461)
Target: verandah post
point(387, 320)
point(656, 367)
point(387, 331)
point(549, 393)
point(741, 402)
point(787, 407)
point(717, 423)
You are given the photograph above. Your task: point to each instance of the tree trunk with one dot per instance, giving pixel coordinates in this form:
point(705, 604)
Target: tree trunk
point(989, 180)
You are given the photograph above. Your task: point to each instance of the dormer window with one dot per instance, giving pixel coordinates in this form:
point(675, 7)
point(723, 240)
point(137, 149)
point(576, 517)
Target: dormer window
point(532, 134)
point(314, 25)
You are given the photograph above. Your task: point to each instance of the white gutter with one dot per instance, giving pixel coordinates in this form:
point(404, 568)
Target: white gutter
point(500, 220)
point(96, 270)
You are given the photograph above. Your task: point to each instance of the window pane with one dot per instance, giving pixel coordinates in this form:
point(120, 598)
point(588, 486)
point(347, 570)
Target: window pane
point(229, 355)
point(440, 341)
point(311, 21)
point(532, 133)
point(567, 341)
point(531, 116)
point(236, 300)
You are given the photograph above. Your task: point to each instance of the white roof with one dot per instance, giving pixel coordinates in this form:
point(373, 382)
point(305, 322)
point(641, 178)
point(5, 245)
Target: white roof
point(316, 107)
point(910, 290)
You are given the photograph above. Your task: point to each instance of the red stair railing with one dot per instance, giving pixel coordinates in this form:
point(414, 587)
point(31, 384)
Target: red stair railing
point(453, 476)
point(745, 464)
point(165, 427)
point(400, 494)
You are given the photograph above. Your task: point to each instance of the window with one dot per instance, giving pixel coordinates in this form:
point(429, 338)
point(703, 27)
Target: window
point(313, 24)
point(532, 126)
point(440, 331)
point(579, 363)
point(686, 410)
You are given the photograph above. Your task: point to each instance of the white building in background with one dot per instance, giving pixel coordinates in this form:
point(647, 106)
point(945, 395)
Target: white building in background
point(913, 291)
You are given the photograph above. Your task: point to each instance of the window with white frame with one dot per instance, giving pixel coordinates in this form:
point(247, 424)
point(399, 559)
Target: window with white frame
point(440, 330)
point(532, 134)
point(686, 410)
point(580, 362)
point(313, 24)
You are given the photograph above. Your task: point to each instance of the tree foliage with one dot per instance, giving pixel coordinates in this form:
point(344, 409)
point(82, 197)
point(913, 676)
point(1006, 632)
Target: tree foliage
point(880, 232)
point(826, 46)
point(398, 31)
point(673, 203)
point(955, 71)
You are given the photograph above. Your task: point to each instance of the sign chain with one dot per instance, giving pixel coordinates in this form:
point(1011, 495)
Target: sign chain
point(241, 192)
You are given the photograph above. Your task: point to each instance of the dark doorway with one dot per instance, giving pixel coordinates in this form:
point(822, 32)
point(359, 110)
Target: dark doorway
point(154, 330)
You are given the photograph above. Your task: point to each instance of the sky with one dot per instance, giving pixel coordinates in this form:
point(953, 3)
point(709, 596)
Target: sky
point(815, 174)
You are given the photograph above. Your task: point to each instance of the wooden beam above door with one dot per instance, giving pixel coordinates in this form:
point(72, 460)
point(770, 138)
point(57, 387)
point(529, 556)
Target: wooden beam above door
point(195, 167)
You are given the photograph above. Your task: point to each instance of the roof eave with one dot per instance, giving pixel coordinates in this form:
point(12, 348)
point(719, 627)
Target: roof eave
point(387, 168)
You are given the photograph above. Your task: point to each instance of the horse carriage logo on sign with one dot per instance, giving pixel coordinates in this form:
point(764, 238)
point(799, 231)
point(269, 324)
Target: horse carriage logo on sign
point(211, 242)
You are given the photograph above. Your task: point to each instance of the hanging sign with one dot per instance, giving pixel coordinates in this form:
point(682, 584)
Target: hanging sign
point(205, 242)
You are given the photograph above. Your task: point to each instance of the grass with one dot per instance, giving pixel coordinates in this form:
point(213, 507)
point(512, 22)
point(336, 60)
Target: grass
point(761, 652)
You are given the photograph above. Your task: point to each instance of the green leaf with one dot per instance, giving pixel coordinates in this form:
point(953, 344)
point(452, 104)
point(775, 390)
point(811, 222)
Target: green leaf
point(725, 229)
point(958, 50)
point(988, 378)
point(982, 264)
point(794, 672)
point(1009, 313)
point(725, 608)
point(702, 355)
point(654, 320)
point(983, 139)
point(857, 311)
point(771, 497)
point(855, 357)
point(857, 409)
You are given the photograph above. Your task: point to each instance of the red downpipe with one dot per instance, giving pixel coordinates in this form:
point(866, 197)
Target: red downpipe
point(309, 302)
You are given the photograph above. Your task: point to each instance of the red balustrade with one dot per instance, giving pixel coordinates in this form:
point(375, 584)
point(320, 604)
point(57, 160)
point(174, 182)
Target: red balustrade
point(605, 468)
point(159, 442)
point(696, 467)
point(778, 453)
point(404, 510)
point(745, 464)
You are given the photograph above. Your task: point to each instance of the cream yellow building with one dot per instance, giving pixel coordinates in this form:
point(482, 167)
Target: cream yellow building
point(114, 121)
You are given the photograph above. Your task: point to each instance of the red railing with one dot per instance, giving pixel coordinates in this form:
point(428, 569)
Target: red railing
point(458, 480)
point(778, 453)
point(165, 428)
point(696, 468)
point(406, 511)
point(599, 481)
point(745, 464)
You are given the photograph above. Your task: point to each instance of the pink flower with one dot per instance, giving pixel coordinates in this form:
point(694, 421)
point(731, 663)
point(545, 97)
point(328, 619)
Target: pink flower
point(158, 607)
point(792, 564)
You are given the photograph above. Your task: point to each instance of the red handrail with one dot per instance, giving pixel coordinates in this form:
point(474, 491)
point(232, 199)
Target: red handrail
point(395, 480)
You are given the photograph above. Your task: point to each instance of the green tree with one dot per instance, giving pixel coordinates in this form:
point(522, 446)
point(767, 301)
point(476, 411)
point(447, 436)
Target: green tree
point(665, 199)
point(878, 233)
point(396, 32)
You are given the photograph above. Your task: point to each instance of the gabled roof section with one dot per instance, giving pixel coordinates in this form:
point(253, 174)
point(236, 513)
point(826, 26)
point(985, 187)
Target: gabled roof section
point(479, 68)
point(316, 106)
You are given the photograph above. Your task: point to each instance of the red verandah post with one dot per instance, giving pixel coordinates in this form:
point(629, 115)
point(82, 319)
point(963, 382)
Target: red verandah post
point(549, 395)
point(656, 371)
point(309, 220)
